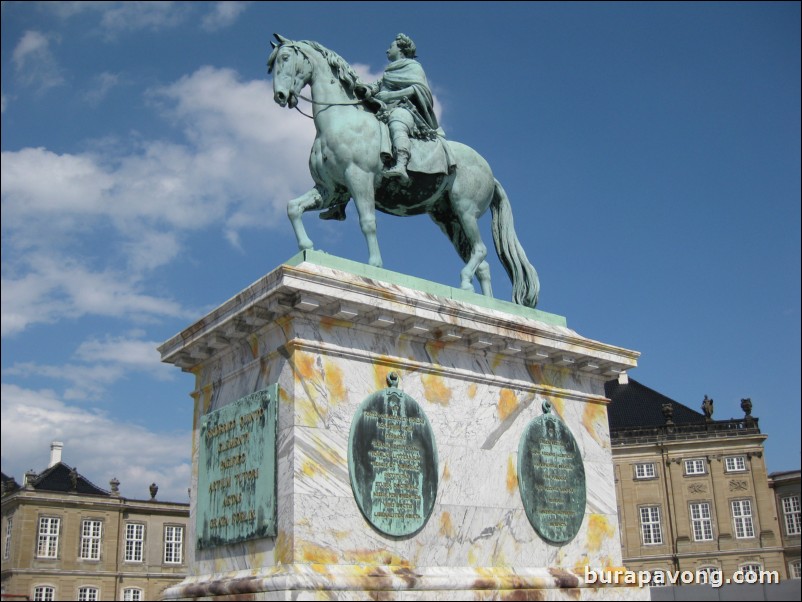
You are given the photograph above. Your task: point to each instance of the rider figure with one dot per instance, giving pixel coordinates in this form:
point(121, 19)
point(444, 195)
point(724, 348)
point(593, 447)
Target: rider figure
point(408, 102)
point(405, 103)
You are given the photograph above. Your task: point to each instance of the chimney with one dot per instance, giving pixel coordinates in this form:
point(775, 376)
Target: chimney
point(55, 453)
point(623, 378)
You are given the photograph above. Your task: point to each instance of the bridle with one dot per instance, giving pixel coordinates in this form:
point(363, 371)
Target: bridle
point(298, 50)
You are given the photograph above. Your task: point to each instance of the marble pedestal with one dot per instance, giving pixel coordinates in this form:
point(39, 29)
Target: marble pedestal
point(329, 331)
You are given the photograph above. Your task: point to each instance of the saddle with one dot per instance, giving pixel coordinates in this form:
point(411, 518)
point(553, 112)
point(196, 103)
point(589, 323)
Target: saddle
point(430, 155)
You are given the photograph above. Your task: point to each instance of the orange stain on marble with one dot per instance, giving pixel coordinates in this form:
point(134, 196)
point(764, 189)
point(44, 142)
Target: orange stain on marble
point(380, 372)
point(253, 342)
point(206, 396)
point(594, 417)
point(374, 557)
point(305, 368)
point(507, 403)
point(472, 390)
point(334, 381)
point(599, 531)
point(446, 471)
point(512, 475)
point(316, 554)
point(498, 359)
point(435, 389)
point(433, 348)
point(310, 468)
point(283, 549)
point(328, 323)
point(446, 527)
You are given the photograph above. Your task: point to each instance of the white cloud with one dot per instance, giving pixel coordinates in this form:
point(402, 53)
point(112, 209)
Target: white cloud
point(100, 447)
point(102, 84)
point(34, 63)
point(241, 160)
point(130, 353)
point(148, 15)
point(223, 14)
point(56, 289)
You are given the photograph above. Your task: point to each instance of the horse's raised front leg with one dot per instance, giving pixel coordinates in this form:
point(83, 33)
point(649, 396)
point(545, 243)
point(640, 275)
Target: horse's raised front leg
point(360, 184)
point(296, 208)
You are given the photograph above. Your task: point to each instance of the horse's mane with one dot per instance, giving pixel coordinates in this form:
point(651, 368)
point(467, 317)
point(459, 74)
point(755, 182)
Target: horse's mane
point(339, 66)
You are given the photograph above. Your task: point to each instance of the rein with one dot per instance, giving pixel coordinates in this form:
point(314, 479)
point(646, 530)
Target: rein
point(325, 104)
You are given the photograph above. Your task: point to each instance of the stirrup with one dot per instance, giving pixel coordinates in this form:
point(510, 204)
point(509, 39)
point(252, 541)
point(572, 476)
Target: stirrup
point(397, 171)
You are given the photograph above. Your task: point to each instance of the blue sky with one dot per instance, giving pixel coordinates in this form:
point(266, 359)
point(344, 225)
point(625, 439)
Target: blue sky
point(651, 153)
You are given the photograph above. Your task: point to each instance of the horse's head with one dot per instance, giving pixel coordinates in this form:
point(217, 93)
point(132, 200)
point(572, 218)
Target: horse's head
point(291, 71)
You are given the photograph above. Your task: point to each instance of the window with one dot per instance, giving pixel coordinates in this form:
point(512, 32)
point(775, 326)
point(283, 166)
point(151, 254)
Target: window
point(645, 471)
point(87, 594)
point(794, 569)
point(7, 543)
point(133, 594)
point(735, 464)
point(751, 568)
point(742, 514)
point(696, 466)
point(44, 592)
point(47, 544)
point(701, 522)
point(650, 525)
point(134, 540)
point(90, 539)
point(711, 574)
point(790, 511)
point(173, 544)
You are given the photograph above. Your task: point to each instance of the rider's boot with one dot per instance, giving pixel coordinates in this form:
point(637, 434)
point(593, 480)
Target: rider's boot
point(401, 144)
point(399, 170)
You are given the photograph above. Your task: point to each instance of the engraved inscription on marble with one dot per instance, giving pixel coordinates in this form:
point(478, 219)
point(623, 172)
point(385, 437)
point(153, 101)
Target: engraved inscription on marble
point(392, 462)
point(551, 478)
point(237, 471)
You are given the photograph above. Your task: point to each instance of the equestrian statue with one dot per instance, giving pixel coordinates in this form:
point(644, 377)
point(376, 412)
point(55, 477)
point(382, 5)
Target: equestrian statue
point(380, 145)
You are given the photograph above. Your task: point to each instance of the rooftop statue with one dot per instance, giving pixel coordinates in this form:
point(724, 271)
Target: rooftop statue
point(380, 145)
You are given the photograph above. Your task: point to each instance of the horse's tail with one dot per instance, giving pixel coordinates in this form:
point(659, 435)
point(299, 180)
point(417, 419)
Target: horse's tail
point(525, 283)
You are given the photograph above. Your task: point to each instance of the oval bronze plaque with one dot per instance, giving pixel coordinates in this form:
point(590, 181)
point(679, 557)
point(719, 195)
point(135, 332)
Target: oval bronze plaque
point(551, 478)
point(392, 462)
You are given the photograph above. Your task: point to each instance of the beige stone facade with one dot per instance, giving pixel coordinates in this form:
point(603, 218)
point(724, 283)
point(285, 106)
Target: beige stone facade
point(77, 546)
point(694, 494)
point(786, 487)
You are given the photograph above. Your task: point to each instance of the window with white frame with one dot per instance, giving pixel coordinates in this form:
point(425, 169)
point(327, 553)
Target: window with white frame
point(87, 594)
point(133, 594)
point(750, 568)
point(650, 525)
point(695, 466)
point(701, 521)
point(44, 593)
point(91, 531)
point(735, 464)
point(7, 542)
point(791, 514)
point(47, 542)
point(173, 544)
point(795, 569)
point(710, 573)
point(645, 471)
point(134, 542)
point(742, 515)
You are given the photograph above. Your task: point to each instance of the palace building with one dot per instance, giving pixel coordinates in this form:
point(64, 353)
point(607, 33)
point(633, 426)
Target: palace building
point(693, 492)
point(65, 538)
